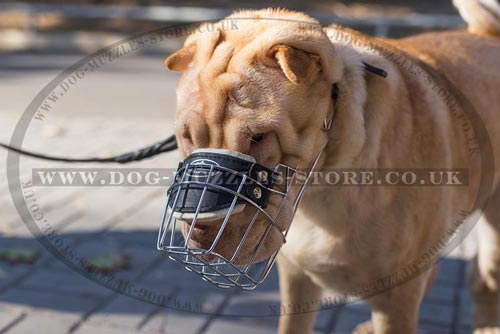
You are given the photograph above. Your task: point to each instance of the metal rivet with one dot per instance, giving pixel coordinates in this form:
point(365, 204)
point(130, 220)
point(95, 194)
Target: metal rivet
point(262, 176)
point(257, 192)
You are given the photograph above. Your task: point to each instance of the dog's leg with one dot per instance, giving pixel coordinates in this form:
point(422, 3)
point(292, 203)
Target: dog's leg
point(396, 311)
point(299, 298)
point(368, 327)
point(484, 270)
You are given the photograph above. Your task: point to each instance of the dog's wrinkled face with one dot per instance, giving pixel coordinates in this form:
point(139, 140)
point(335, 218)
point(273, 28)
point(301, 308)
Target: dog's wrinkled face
point(261, 88)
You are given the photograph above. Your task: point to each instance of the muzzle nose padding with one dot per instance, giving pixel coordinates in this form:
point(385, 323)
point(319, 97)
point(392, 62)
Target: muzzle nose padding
point(210, 177)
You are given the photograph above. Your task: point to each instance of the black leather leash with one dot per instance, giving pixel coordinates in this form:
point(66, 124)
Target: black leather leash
point(166, 145)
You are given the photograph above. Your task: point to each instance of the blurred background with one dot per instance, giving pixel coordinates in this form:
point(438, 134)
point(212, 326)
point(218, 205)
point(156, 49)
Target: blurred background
point(126, 104)
point(80, 26)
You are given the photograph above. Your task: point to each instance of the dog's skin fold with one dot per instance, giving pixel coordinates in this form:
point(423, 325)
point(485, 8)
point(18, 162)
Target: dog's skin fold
point(273, 76)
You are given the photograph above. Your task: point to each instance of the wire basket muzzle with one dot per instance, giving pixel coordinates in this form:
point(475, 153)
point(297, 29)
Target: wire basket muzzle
point(219, 192)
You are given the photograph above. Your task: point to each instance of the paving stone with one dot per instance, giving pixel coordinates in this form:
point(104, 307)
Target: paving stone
point(464, 330)
point(465, 308)
point(171, 275)
point(271, 283)
point(324, 320)
point(182, 287)
point(9, 316)
point(140, 257)
point(238, 325)
point(46, 322)
point(40, 299)
point(65, 281)
point(11, 273)
point(155, 285)
point(140, 238)
point(196, 300)
point(123, 312)
point(109, 205)
point(55, 219)
point(253, 303)
point(425, 328)
point(259, 308)
point(348, 319)
point(172, 321)
point(441, 293)
point(5, 198)
point(185, 308)
point(360, 306)
point(13, 241)
point(49, 201)
point(93, 329)
point(255, 307)
point(451, 270)
point(439, 314)
point(147, 220)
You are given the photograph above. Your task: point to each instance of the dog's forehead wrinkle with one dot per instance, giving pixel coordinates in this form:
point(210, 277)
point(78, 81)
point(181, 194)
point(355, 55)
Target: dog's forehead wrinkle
point(241, 73)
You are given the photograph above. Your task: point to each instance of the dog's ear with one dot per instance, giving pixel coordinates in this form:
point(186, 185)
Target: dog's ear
point(180, 60)
point(296, 64)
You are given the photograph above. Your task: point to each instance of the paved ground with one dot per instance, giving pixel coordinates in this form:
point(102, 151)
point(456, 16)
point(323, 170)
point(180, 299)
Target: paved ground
point(128, 105)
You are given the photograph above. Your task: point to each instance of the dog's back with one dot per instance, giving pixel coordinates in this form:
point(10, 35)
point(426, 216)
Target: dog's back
point(471, 61)
point(482, 16)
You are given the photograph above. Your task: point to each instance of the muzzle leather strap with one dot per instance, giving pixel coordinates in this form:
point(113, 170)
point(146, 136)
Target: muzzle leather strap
point(201, 176)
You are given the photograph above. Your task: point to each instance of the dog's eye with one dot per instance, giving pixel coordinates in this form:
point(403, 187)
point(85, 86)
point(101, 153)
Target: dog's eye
point(257, 138)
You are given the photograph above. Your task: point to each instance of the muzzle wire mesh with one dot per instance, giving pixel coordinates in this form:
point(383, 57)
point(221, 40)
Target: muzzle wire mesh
point(213, 267)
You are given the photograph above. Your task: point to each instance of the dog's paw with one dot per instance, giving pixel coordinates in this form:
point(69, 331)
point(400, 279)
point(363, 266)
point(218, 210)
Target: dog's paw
point(487, 330)
point(364, 328)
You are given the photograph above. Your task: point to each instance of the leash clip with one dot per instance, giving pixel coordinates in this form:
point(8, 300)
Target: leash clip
point(327, 125)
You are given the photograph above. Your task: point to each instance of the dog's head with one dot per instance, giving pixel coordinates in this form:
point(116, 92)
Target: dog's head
point(258, 82)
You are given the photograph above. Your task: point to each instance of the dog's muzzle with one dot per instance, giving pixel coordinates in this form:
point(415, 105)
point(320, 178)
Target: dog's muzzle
point(209, 187)
point(225, 170)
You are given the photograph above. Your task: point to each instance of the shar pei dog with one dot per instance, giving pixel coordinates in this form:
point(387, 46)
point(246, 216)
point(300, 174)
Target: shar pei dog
point(272, 86)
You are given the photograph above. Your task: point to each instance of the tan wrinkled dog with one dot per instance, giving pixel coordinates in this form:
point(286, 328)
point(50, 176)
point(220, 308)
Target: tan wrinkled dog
point(271, 76)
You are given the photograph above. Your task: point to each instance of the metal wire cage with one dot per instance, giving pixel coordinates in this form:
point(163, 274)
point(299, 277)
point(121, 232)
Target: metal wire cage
point(210, 265)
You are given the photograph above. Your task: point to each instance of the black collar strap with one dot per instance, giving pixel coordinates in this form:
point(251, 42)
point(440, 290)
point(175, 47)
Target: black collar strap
point(327, 124)
point(375, 70)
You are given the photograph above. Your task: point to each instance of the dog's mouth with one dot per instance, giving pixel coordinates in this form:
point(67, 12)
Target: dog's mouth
point(243, 238)
point(207, 217)
point(232, 215)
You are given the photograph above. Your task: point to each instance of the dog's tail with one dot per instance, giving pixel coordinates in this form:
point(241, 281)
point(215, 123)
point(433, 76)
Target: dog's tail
point(482, 16)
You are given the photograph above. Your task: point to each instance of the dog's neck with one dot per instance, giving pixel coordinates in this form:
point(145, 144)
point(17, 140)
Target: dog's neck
point(327, 123)
point(347, 135)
